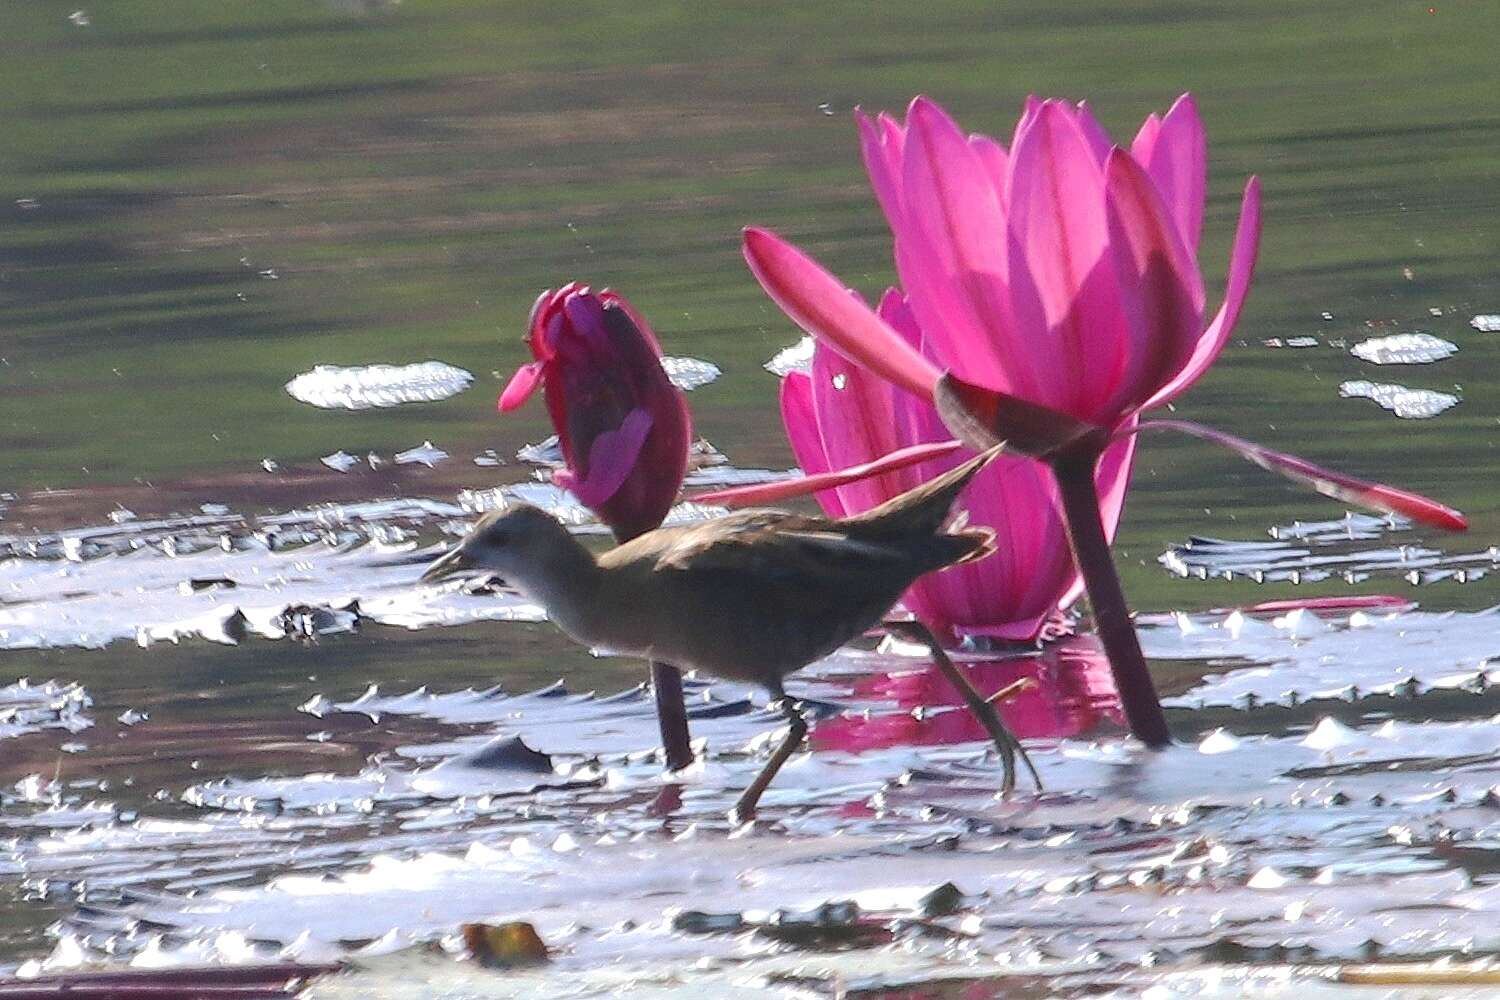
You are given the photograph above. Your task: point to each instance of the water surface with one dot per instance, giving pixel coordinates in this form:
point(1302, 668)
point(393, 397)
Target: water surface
point(202, 202)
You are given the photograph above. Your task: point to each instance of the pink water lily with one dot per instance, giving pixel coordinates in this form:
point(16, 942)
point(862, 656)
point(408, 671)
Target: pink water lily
point(623, 426)
point(1057, 290)
point(842, 415)
point(1061, 272)
point(624, 429)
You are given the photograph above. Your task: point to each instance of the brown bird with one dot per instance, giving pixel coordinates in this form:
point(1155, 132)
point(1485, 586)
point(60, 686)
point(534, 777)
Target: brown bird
point(752, 596)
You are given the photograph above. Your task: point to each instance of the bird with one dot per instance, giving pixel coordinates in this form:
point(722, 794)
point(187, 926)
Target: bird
point(751, 596)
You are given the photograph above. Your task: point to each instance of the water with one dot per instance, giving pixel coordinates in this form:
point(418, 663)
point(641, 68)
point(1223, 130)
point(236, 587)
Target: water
point(202, 203)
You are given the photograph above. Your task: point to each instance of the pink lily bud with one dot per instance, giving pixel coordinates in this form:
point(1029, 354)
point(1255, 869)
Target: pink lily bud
point(624, 428)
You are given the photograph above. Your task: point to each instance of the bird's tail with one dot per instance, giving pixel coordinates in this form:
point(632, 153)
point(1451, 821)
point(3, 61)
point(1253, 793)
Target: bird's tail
point(972, 544)
point(924, 510)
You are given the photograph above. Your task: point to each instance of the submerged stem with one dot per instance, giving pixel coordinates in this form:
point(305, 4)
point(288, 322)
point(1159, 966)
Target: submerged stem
point(1074, 469)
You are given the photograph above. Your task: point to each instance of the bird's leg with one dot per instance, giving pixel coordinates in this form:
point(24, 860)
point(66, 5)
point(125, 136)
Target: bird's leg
point(671, 714)
point(744, 809)
point(983, 709)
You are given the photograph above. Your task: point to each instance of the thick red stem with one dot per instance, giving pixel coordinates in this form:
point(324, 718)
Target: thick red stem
point(1074, 469)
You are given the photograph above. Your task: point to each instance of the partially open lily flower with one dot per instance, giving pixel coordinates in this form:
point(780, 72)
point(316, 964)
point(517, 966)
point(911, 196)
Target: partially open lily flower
point(1062, 271)
point(1057, 289)
point(623, 427)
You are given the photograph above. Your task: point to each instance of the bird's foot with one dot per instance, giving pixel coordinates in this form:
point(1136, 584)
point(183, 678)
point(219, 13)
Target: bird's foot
point(983, 708)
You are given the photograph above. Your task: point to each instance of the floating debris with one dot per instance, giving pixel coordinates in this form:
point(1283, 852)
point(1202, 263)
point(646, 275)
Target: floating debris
point(688, 374)
point(488, 459)
point(1486, 322)
point(339, 461)
point(1294, 342)
point(797, 358)
point(1404, 349)
point(364, 387)
point(270, 464)
point(1409, 404)
point(423, 454)
point(504, 946)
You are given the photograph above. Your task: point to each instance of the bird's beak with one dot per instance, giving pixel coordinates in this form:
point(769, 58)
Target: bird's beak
point(449, 564)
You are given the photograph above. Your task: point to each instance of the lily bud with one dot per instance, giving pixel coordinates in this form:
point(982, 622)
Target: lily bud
point(623, 426)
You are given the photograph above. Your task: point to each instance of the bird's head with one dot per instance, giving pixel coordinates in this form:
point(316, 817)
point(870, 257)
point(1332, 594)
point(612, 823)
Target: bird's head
point(515, 544)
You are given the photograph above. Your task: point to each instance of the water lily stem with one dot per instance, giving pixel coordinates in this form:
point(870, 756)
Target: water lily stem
point(671, 714)
point(1074, 469)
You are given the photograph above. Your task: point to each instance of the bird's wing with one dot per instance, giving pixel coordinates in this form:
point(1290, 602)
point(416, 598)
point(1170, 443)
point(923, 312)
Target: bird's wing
point(779, 547)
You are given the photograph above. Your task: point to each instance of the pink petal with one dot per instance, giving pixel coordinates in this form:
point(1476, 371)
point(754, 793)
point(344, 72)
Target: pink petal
point(800, 420)
point(1376, 496)
point(1030, 108)
point(520, 387)
point(1145, 138)
point(1178, 163)
point(952, 253)
point(948, 186)
point(739, 496)
point(612, 457)
point(994, 159)
point(1112, 479)
point(880, 143)
point(817, 302)
point(1057, 213)
point(1241, 271)
point(1098, 139)
point(1160, 287)
point(853, 410)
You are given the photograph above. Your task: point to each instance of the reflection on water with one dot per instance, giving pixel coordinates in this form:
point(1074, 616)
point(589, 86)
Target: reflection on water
point(203, 202)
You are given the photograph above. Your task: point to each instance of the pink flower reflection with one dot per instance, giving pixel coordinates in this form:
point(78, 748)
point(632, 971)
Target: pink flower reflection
point(1073, 693)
